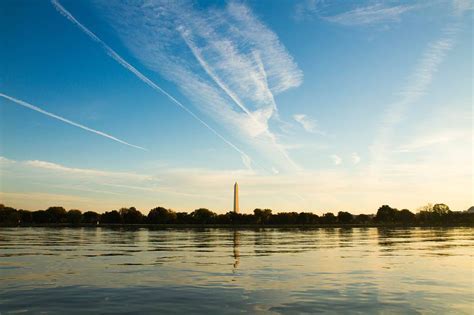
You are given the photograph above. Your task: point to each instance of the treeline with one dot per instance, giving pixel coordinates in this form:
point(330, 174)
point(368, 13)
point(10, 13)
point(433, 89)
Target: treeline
point(439, 214)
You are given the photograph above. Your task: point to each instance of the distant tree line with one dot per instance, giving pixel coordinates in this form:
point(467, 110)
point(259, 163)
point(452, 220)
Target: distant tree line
point(438, 214)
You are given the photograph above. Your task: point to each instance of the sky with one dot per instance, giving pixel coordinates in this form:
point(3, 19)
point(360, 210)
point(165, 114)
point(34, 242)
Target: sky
point(309, 105)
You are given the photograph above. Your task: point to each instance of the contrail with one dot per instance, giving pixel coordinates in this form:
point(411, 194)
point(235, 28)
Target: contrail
point(67, 121)
point(138, 74)
point(421, 79)
point(197, 54)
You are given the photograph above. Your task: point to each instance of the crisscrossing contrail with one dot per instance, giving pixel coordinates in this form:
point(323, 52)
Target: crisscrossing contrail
point(67, 121)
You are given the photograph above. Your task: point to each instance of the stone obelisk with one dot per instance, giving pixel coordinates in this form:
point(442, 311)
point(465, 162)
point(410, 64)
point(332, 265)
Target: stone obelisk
point(236, 197)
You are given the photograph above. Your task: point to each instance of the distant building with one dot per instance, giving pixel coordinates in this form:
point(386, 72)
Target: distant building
point(236, 197)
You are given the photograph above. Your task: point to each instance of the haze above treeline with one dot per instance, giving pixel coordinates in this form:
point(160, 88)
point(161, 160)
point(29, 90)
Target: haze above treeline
point(437, 214)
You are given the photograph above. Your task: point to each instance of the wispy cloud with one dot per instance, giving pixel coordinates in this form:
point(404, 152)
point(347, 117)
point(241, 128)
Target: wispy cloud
point(308, 124)
point(59, 168)
point(355, 158)
point(378, 12)
point(418, 84)
point(84, 172)
point(336, 159)
point(307, 9)
point(67, 121)
point(373, 14)
point(141, 76)
point(427, 141)
point(462, 6)
point(226, 61)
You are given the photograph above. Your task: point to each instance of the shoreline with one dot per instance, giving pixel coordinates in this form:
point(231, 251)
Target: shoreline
point(233, 226)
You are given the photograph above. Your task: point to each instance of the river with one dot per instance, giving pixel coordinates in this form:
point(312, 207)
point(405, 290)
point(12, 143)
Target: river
point(225, 271)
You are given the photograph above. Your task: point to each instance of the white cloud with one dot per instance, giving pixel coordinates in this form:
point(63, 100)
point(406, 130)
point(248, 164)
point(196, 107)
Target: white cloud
point(140, 75)
point(418, 84)
point(227, 62)
point(306, 9)
point(377, 13)
point(336, 159)
point(429, 140)
point(355, 158)
point(308, 124)
point(462, 6)
point(67, 121)
point(82, 171)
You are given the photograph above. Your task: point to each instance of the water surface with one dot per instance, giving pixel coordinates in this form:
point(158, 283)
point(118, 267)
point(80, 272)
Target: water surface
point(289, 271)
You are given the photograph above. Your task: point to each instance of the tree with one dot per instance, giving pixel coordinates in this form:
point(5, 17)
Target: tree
point(344, 217)
point(25, 216)
point(437, 214)
point(262, 216)
point(405, 216)
point(9, 216)
point(308, 218)
point(40, 216)
point(328, 218)
point(203, 216)
point(428, 208)
point(362, 218)
point(56, 214)
point(74, 216)
point(184, 218)
point(285, 218)
point(90, 217)
point(112, 217)
point(160, 215)
point(131, 215)
point(386, 214)
point(441, 209)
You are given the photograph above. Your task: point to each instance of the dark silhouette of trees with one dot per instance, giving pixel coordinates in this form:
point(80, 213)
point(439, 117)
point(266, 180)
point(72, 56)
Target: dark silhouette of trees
point(362, 219)
point(41, 217)
point(386, 214)
point(25, 216)
point(56, 214)
point(184, 218)
point(90, 217)
point(160, 215)
point(405, 216)
point(285, 218)
point(111, 217)
point(429, 215)
point(308, 218)
point(344, 217)
point(262, 216)
point(8, 215)
point(74, 216)
point(436, 215)
point(203, 216)
point(131, 216)
point(328, 218)
point(441, 209)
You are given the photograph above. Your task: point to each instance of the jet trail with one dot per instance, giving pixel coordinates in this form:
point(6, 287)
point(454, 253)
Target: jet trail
point(67, 121)
point(138, 74)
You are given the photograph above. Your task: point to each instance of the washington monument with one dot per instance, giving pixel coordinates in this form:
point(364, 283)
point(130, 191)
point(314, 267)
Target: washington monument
point(236, 197)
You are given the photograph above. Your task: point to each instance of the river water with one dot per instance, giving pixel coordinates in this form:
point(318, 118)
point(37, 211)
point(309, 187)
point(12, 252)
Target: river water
point(225, 271)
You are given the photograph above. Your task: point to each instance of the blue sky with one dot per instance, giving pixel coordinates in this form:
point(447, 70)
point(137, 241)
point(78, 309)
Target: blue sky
point(311, 105)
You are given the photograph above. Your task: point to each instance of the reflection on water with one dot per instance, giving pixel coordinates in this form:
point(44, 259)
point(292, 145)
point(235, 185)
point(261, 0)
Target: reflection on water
point(356, 270)
point(236, 245)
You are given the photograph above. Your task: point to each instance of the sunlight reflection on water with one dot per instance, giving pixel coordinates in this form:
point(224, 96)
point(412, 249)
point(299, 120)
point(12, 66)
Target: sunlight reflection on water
point(357, 270)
